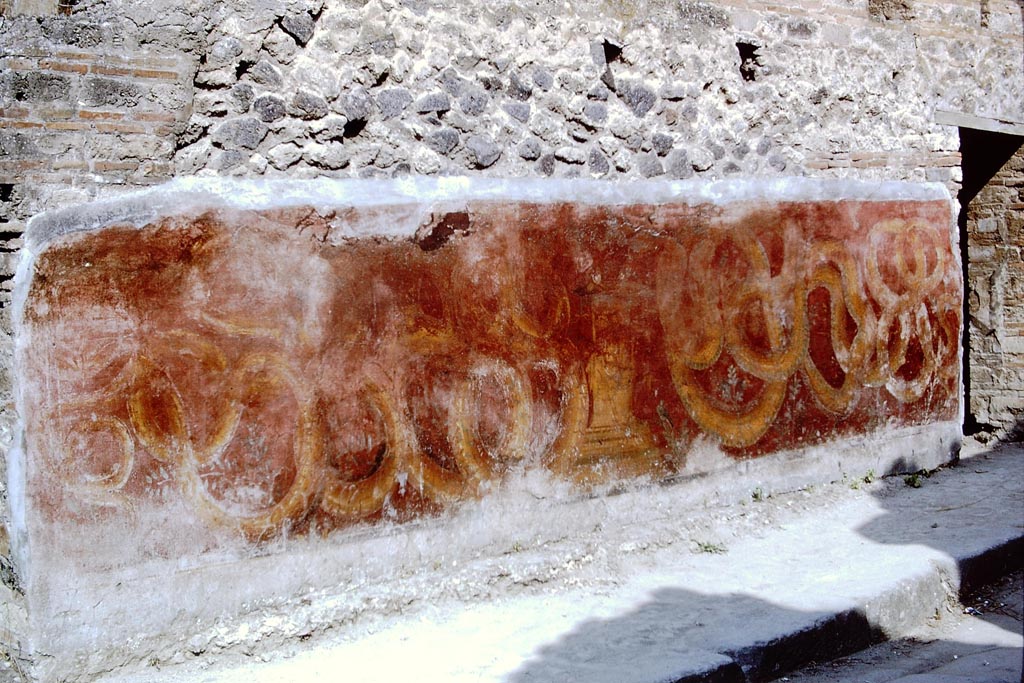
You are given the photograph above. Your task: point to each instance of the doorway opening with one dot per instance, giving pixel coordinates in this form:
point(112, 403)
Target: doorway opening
point(991, 209)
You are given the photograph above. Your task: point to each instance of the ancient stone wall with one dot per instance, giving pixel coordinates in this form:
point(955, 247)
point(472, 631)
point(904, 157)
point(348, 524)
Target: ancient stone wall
point(106, 95)
point(98, 97)
point(995, 223)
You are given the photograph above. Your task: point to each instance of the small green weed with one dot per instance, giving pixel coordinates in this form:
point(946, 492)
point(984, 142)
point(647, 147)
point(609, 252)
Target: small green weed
point(866, 479)
point(711, 548)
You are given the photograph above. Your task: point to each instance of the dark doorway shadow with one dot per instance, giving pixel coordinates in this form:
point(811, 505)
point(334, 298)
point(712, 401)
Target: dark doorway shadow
point(983, 153)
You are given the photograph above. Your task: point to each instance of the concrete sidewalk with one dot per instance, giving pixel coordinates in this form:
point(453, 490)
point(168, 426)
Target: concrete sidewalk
point(767, 587)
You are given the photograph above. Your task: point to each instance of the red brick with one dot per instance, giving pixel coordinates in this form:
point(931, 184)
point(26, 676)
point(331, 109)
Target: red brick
point(158, 169)
point(110, 70)
point(23, 165)
point(871, 163)
point(21, 64)
point(945, 160)
point(53, 114)
point(120, 128)
point(155, 61)
point(103, 166)
point(152, 73)
point(110, 115)
point(83, 56)
point(63, 66)
point(46, 178)
point(865, 156)
point(59, 164)
point(154, 116)
point(67, 125)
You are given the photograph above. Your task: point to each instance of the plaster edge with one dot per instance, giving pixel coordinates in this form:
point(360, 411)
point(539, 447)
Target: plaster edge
point(185, 194)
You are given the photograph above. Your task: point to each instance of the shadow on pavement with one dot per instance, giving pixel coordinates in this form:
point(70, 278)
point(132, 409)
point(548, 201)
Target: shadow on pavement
point(683, 636)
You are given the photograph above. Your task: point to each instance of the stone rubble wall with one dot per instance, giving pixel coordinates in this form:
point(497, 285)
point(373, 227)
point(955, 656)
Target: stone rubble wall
point(113, 95)
point(88, 106)
point(995, 224)
point(98, 97)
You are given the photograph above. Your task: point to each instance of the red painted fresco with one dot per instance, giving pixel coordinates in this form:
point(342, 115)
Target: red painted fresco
point(274, 377)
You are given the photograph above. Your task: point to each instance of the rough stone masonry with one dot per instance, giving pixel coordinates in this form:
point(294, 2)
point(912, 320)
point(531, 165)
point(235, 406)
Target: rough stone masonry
point(102, 96)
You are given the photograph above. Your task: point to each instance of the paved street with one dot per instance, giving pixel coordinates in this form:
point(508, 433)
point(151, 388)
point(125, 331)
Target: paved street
point(983, 645)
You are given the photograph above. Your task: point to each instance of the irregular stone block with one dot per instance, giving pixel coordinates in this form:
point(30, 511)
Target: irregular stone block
point(265, 73)
point(246, 132)
point(34, 86)
point(269, 108)
point(518, 89)
point(433, 102)
point(356, 104)
point(530, 149)
point(637, 96)
point(473, 101)
point(213, 371)
point(598, 162)
point(443, 141)
point(393, 102)
point(100, 92)
point(299, 26)
point(308, 106)
point(485, 150)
